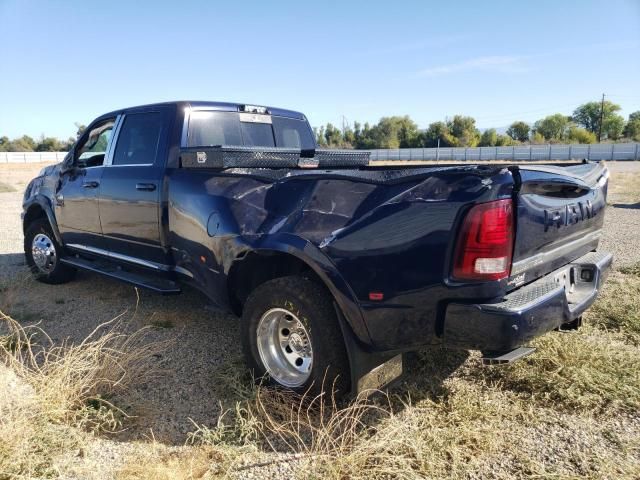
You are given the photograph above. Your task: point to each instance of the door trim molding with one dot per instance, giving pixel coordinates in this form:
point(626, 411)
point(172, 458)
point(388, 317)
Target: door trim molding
point(118, 256)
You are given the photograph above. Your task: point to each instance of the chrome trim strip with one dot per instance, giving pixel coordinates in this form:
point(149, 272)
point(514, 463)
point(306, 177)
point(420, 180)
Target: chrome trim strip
point(108, 158)
point(119, 256)
point(185, 126)
point(542, 258)
point(183, 271)
point(132, 165)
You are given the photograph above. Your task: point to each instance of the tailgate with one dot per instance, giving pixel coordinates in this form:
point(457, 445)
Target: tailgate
point(559, 217)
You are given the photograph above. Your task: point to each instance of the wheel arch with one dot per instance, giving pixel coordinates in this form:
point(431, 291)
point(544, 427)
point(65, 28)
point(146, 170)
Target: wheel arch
point(39, 207)
point(282, 257)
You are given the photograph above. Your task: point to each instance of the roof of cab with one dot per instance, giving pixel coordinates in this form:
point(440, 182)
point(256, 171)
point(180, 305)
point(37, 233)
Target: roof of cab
point(223, 106)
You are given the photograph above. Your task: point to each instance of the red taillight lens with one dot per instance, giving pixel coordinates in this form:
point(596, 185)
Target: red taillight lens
point(485, 245)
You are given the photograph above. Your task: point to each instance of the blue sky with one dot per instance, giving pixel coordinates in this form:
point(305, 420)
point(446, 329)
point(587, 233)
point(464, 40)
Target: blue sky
point(499, 61)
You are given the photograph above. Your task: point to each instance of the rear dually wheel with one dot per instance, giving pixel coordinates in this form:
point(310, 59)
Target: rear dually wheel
point(290, 334)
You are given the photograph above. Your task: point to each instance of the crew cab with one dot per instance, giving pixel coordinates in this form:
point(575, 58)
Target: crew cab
point(336, 266)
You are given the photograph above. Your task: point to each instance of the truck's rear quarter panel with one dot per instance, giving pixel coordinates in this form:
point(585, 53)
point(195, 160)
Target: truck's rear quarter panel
point(388, 231)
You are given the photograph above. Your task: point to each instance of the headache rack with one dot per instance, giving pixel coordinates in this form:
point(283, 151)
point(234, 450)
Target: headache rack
point(233, 156)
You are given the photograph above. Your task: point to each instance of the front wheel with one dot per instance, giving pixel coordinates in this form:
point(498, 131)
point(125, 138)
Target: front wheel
point(290, 333)
point(43, 254)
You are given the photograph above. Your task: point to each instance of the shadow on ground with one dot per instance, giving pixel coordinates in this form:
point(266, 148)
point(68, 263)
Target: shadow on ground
point(632, 206)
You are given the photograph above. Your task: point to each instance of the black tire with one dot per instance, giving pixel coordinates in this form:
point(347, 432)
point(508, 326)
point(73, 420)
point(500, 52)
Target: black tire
point(313, 305)
point(57, 272)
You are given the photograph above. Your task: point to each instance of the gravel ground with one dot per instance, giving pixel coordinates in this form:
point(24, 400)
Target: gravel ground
point(204, 340)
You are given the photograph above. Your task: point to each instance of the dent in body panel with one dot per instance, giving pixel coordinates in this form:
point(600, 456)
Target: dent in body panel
point(392, 237)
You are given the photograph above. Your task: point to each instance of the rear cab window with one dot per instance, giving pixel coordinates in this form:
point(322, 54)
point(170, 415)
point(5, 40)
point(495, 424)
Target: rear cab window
point(215, 128)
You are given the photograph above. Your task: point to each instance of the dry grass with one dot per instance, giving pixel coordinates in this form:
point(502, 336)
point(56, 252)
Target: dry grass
point(618, 308)
point(55, 393)
point(568, 411)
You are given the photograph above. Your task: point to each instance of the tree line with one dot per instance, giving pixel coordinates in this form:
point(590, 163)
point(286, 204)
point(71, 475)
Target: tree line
point(26, 143)
point(587, 122)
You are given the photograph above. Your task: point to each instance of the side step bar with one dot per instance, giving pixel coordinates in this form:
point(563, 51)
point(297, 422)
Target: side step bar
point(508, 357)
point(159, 285)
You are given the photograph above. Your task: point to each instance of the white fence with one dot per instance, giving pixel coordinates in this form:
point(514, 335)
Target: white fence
point(523, 153)
point(612, 151)
point(31, 157)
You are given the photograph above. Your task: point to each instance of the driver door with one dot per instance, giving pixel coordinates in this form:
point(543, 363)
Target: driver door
point(77, 209)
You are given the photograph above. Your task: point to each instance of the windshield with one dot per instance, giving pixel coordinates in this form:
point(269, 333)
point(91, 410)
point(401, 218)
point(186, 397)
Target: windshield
point(210, 128)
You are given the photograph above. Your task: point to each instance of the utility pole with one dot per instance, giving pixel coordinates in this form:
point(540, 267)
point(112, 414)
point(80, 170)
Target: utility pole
point(345, 123)
point(601, 119)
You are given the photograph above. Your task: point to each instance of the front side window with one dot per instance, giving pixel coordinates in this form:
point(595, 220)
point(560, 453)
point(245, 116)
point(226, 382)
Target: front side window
point(138, 139)
point(91, 152)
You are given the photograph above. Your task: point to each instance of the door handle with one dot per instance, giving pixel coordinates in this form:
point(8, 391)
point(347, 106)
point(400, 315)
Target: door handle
point(90, 184)
point(146, 187)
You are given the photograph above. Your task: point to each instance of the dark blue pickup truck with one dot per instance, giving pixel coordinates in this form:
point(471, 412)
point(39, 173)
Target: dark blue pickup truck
point(335, 265)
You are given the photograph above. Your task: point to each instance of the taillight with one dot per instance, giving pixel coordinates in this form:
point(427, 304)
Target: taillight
point(485, 245)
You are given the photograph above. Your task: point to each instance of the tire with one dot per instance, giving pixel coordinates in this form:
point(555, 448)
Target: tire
point(311, 306)
point(40, 242)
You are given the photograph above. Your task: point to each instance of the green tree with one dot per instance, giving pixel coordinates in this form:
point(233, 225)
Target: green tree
point(319, 133)
point(366, 139)
point(4, 144)
point(438, 131)
point(332, 135)
point(588, 116)
point(22, 144)
point(519, 131)
point(395, 132)
point(580, 135)
point(553, 127)
point(464, 130)
point(349, 137)
point(48, 144)
point(537, 138)
point(489, 138)
point(505, 141)
point(631, 130)
point(613, 127)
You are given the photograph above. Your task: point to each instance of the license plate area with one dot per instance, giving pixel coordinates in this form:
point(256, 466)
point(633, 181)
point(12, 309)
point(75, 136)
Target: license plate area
point(578, 281)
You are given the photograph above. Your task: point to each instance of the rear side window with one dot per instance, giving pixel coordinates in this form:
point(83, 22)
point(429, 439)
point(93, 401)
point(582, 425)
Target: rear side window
point(138, 139)
point(207, 129)
point(211, 128)
point(292, 133)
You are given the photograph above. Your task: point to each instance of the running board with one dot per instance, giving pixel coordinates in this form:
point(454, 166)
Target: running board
point(159, 285)
point(506, 357)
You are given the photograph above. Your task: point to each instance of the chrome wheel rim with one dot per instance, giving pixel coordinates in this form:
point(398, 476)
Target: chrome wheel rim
point(284, 345)
point(44, 253)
